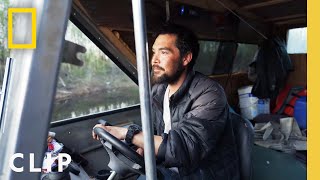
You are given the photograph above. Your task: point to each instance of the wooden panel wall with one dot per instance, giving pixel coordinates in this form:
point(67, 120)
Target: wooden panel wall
point(298, 77)
point(234, 83)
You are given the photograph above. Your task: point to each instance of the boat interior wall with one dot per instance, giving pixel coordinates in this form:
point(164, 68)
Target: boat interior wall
point(120, 44)
point(231, 84)
point(298, 77)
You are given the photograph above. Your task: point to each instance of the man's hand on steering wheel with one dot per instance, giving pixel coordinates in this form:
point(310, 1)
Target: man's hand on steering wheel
point(124, 156)
point(118, 132)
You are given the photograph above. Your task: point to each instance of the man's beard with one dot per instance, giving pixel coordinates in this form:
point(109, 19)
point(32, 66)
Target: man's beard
point(165, 78)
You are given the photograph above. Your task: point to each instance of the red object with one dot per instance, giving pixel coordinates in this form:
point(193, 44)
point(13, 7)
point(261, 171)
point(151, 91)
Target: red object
point(287, 98)
point(289, 110)
point(50, 147)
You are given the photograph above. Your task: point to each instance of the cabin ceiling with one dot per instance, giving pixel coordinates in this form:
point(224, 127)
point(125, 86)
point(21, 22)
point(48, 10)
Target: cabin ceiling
point(211, 19)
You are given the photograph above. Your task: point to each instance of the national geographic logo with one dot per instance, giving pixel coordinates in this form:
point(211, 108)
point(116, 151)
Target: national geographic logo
point(33, 43)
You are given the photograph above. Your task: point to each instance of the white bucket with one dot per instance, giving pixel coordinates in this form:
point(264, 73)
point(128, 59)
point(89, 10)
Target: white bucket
point(249, 112)
point(247, 102)
point(245, 90)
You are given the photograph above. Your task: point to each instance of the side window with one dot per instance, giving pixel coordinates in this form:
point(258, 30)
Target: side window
point(244, 56)
point(207, 57)
point(219, 57)
point(297, 41)
point(96, 86)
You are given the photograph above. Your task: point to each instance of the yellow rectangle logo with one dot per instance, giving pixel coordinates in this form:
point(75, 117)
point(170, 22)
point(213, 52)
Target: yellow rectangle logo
point(33, 44)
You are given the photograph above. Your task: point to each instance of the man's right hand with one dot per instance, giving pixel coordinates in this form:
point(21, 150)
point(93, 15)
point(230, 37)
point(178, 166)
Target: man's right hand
point(118, 132)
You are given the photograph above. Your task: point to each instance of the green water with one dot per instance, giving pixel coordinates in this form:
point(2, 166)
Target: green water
point(95, 103)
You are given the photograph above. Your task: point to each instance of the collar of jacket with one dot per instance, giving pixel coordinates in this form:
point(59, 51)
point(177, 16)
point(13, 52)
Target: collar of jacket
point(178, 94)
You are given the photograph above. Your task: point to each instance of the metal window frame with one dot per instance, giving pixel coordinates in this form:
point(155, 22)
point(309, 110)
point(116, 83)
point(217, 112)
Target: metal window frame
point(82, 22)
point(92, 116)
point(32, 85)
point(90, 30)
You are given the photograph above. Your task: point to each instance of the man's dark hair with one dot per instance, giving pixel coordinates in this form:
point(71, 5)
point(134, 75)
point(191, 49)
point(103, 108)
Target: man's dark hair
point(186, 41)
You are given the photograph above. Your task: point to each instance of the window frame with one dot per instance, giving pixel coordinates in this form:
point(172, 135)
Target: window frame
point(287, 40)
point(88, 29)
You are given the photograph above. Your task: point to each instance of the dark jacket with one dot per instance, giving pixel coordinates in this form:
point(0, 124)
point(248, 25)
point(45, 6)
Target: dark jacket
point(273, 65)
point(201, 142)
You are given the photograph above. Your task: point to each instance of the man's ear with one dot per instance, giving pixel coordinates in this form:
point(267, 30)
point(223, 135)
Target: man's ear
point(187, 59)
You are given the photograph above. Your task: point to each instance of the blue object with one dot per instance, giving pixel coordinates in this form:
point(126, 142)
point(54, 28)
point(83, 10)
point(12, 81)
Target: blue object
point(182, 10)
point(300, 112)
point(260, 106)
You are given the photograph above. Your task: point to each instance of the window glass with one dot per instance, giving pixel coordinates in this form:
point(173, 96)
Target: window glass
point(297, 41)
point(225, 58)
point(244, 56)
point(96, 86)
point(207, 57)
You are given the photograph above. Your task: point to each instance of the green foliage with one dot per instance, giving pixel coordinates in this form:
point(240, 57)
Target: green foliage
point(4, 52)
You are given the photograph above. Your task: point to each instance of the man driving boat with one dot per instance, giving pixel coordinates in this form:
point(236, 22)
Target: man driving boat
point(194, 137)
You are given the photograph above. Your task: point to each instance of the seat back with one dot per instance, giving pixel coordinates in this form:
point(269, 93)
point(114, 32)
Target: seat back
point(243, 131)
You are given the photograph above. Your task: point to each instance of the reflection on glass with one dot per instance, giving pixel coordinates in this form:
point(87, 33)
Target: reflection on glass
point(244, 56)
point(207, 57)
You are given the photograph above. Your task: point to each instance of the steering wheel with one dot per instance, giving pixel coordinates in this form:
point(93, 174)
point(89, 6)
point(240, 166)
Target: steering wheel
point(123, 159)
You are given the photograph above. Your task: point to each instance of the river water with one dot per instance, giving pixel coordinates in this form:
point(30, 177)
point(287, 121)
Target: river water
point(94, 103)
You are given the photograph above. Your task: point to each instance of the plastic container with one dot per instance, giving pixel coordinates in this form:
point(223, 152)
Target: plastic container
point(249, 112)
point(300, 112)
point(245, 90)
point(247, 102)
point(263, 106)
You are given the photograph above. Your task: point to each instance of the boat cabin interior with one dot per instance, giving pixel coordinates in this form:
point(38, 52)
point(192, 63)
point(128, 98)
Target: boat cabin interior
point(247, 23)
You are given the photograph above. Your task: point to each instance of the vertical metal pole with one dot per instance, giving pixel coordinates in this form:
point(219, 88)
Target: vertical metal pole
point(144, 86)
point(32, 87)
